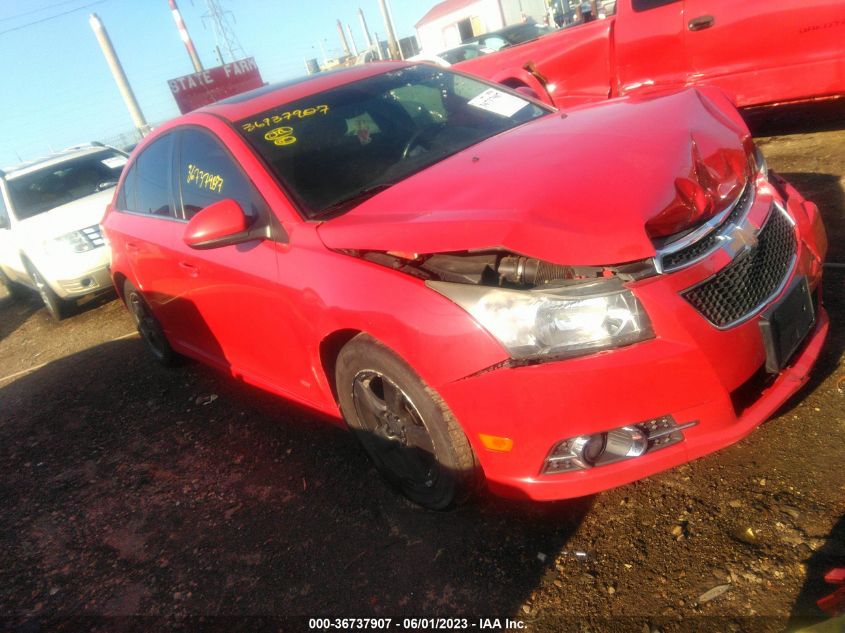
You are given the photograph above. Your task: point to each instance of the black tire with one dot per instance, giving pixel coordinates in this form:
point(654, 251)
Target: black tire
point(404, 426)
point(148, 326)
point(56, 306)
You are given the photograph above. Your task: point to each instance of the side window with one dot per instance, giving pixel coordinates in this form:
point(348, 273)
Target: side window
point(126, 196)
point(645, 5)
point(208, 173)
point(146, 188)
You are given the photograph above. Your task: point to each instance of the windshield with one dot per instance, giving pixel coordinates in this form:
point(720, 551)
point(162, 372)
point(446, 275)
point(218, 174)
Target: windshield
point(335, 147)
point(64, 182)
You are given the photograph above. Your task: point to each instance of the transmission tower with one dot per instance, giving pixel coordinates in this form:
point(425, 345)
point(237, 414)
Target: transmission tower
point(224, 33)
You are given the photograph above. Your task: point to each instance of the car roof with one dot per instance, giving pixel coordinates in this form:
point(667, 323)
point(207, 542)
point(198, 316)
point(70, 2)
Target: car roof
point(28, 167)
point(261, 99)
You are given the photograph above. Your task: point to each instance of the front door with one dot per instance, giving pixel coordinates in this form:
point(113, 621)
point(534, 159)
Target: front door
point(761, 51)
point(234, 289)
point(649, 39)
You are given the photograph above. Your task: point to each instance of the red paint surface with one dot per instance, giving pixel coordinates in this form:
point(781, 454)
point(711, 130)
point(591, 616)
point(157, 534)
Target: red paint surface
point(222, 219)
point(757, 52)
point(575, 190)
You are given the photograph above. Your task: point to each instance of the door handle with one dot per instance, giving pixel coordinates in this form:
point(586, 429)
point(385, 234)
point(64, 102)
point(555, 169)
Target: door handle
point(131, 246)
point(192, 270)
point(702, 22)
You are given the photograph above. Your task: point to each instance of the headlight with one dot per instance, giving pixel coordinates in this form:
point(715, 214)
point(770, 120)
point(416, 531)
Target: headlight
point(74, 242)
point(563, 321)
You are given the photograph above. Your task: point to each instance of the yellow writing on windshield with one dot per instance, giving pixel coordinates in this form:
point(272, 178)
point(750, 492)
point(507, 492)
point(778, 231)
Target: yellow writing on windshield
point(204, 179)
point(281, 136)
point(284, 116)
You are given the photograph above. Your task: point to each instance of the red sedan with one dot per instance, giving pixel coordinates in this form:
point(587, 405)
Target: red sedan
point(480, 286)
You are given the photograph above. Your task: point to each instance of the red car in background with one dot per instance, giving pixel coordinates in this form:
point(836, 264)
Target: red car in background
point(482, 287)
point(758, 51)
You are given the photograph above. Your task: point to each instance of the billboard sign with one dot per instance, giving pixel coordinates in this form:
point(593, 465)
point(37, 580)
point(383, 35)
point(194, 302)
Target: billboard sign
point(213, 84)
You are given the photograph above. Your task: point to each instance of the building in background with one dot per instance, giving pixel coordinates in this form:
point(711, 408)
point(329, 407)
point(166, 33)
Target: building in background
point(451, 22)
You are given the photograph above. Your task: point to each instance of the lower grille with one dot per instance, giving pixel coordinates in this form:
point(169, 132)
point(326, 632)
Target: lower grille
point(742, 287)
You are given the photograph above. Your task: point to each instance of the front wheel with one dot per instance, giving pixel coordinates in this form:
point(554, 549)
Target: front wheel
point(148, 326)
point(56, 306)
point(404, 426)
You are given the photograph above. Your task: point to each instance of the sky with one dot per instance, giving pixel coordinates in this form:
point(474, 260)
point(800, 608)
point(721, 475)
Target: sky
point(56, 89)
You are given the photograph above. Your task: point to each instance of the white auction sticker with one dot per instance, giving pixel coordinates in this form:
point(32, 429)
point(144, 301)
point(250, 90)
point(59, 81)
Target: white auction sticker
point(498, 102)
point(114, 161)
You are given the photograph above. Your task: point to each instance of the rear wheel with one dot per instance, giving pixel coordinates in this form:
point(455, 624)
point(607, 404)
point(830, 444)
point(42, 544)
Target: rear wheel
point(404, 426)
point(56, 306)
point(148, 326)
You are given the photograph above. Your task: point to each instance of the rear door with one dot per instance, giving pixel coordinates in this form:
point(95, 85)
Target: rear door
point(147, 231)
point(762, 51)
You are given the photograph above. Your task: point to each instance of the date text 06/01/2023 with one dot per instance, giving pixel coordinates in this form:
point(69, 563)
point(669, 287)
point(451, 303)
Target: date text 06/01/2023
point(434, 624)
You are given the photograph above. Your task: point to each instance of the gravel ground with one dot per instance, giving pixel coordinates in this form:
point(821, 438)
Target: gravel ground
point(128, 489)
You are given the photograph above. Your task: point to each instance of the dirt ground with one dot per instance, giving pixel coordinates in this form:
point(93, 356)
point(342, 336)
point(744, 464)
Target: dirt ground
point(128, 489)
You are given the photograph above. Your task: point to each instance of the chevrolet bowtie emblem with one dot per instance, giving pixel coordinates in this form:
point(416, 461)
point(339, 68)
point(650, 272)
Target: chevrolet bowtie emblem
point(739, 239)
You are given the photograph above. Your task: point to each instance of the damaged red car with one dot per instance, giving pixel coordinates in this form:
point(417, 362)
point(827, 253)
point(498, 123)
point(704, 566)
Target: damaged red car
point(483, 288)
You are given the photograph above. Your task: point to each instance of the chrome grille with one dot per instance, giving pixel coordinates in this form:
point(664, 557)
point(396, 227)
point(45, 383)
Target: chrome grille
point(94, 236)
point(697, 250)
point(741, 288)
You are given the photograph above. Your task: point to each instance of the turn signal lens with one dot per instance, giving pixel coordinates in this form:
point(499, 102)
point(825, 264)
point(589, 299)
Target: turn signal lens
point(495, 443)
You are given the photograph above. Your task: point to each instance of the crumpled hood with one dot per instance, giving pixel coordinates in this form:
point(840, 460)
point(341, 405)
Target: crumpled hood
point(574, 188)
point(72, 216)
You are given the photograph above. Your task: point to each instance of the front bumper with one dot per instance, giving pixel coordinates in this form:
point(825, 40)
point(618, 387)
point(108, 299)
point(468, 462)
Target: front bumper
point(77, 274)
point(692, 370)
point(85, 283)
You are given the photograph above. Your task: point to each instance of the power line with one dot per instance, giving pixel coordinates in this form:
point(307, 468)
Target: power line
point(44, 8)
point(52, 17)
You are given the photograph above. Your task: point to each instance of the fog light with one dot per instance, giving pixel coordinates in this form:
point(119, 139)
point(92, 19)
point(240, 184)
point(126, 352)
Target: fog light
point(623, 443)
point(626, 442)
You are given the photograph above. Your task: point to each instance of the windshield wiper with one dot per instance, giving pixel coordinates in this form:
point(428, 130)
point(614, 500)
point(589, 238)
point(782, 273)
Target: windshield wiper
point(353, 199)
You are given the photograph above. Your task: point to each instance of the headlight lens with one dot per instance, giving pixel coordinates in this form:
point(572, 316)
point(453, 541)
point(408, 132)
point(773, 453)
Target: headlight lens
point(74, 242)
point(557, 322)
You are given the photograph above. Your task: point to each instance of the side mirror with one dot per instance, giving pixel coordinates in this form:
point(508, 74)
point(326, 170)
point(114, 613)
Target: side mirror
point(220, 224)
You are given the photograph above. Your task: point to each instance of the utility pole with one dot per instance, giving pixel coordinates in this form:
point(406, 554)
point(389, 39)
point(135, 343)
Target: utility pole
point(183, 33)
point(119, 76)
point(365, 29)
point(378, 47)
point(224, 32)
point(352, 40)
point(392, 44)
point(343, 42)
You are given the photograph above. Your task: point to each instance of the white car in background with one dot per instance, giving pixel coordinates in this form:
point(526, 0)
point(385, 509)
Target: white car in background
point(50, 212)
point(453, 55)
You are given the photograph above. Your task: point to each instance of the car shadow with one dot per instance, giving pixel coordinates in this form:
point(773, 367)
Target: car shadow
point(831, 555)
point(800, 118)
point(132, 489)
point(16, 309)
point(826, 191)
